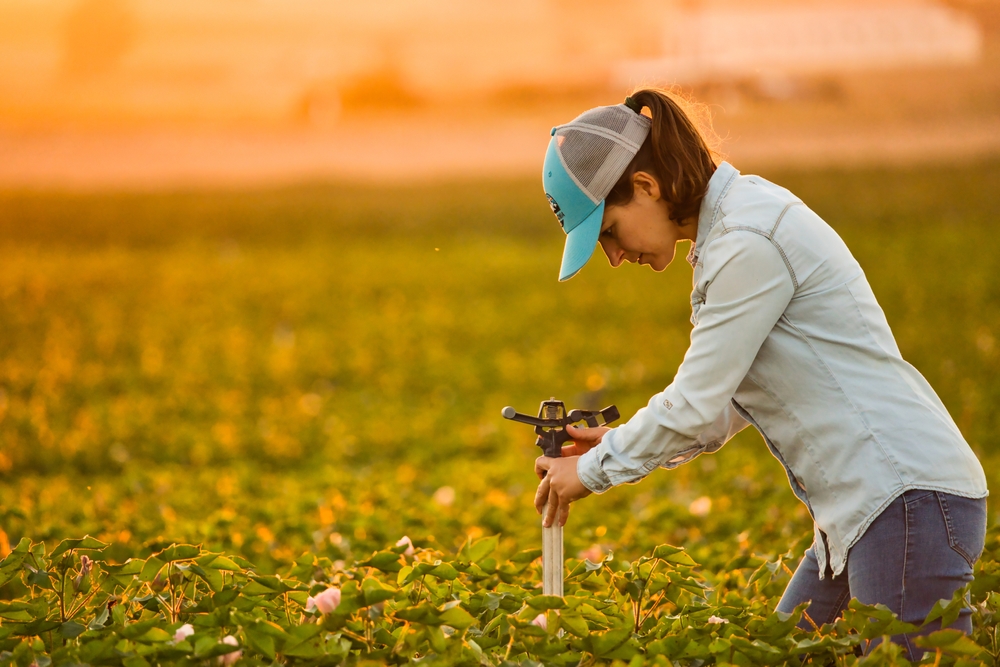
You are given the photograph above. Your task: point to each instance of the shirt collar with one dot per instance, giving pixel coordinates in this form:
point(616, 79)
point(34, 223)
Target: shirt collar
point(718, 185)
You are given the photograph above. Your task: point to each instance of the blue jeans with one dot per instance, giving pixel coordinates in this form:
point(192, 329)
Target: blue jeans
point(919, 550)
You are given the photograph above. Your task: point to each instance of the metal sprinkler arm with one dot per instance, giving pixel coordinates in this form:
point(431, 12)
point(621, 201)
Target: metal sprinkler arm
point(552, 420)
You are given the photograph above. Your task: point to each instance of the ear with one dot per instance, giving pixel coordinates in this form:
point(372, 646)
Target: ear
point(646, 183)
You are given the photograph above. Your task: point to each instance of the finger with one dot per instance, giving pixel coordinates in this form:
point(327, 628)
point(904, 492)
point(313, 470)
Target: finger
point(552, 508)
point(563, 514)
point(571, 450)
point(542, 495)
point(579, 433)
point(542, 464)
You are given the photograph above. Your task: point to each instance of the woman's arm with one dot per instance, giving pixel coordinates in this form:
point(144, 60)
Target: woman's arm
point(747, 287)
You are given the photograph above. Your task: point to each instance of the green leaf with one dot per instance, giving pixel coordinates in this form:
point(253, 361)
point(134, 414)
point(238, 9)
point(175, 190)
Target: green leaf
point(123, 575)
point(138, 629)
point(604, 643)
point(474, 552)
point(526, 556)
point(575, 624)
point(374, 592)
point(266, 585)
point(211, 576)
point(664, 551)
point(151, 568)
point(544, 602)
point(10, 566)
point(71, 629)
point(385, 561)
point(445, 571)
point(674, 555)
point(17, 615)
point(178, 552)
point(260, 641)
point(217, 562)
point(950, 641)
point(457, 618)
point(88, 543)
point(947, 610)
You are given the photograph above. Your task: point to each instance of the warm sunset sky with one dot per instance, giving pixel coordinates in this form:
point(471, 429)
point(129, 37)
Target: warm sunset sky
point(288, 60)
point(151, 93)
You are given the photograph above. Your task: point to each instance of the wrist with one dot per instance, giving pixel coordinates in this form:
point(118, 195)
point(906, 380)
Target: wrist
point(590, 473)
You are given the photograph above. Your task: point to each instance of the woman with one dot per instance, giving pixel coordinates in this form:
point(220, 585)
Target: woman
point(787, 337)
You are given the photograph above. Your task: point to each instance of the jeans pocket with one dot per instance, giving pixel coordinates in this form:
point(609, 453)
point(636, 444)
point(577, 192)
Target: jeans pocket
point(965, 520)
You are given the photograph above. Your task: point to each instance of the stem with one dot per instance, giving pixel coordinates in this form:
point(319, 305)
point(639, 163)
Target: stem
point(642, 593)
point(62, 597)
point(73, 612)
point(420, 588)
point(154, 594)
point(170, 590)
point(806, 616)
point(656, 603)
point(510, 645)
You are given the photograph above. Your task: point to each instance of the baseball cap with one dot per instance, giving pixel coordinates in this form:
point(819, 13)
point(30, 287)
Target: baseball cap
point(584, 160)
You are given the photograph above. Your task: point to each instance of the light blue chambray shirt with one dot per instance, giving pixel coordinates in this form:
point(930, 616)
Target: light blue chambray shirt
point(788, 337)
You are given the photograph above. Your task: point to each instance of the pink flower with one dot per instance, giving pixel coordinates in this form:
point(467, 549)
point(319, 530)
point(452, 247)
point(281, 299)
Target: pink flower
point(409, 545)
point(325, 602)
point(595, 554)
point(541, 622)
point(232, 657)
point(183, 632)
point(715, 620)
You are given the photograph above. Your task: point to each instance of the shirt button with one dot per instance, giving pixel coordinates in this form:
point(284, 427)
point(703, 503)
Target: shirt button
point(667, 404)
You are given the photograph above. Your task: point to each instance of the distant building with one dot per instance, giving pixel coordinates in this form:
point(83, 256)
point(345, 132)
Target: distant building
point(309, 61)
point(718, 43)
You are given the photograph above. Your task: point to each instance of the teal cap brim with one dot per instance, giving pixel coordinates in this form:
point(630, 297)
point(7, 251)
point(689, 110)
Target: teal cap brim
point(580, 243)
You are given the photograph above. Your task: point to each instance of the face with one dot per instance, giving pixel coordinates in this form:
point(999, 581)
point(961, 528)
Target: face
point(641, 231)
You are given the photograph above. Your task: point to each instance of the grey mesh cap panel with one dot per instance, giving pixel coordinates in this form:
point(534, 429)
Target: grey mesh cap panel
point(598, 146)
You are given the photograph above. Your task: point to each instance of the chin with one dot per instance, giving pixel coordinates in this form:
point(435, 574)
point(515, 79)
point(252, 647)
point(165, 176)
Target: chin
point(660, 265)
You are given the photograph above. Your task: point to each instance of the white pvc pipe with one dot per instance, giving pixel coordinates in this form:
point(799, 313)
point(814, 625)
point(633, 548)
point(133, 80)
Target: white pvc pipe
point(552, 557)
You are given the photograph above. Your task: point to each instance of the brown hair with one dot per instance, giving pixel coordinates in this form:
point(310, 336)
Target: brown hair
point(675, 153)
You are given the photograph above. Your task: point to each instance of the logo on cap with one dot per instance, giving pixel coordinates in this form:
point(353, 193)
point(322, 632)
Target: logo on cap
point(555, 209)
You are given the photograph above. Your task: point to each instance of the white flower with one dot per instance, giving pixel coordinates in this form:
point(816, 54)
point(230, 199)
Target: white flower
point(230, 658)
point(700, 506)
point(541, 622)
point(444, 496)
point(325, 602)
point(183, 632)
point(716, 620)
point(409, 545)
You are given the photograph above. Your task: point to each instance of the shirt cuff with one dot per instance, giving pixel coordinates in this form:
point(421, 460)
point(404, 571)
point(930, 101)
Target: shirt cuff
point(588, 467)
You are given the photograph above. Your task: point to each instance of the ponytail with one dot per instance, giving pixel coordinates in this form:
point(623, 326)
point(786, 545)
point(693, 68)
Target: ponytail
point(674, 152)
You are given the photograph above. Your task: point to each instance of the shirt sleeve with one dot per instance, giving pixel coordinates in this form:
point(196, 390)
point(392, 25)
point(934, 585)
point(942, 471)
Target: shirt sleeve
point(747, 288)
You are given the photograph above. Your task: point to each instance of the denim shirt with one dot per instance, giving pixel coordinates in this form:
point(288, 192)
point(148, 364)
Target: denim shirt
point(788, 337)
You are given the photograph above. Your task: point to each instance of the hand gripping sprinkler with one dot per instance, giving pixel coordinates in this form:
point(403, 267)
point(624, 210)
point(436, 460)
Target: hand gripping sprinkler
point(550, 425)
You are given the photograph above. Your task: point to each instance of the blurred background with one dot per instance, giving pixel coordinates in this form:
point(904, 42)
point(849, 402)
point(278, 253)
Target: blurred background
point(97, 93)
point(271, 268)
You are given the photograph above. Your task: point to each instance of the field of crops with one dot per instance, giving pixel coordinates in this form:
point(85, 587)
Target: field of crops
point(293, 380)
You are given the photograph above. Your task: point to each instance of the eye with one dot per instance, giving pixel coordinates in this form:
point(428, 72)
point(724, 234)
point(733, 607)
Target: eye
point(609, 232)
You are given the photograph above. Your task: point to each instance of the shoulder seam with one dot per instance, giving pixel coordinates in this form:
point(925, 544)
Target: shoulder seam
point(769, 237)
point(782, 215)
